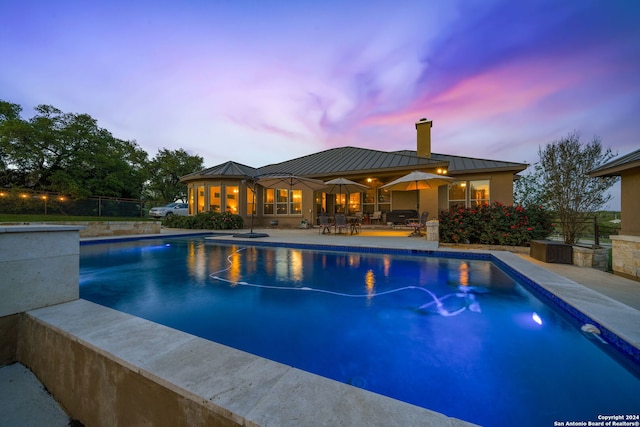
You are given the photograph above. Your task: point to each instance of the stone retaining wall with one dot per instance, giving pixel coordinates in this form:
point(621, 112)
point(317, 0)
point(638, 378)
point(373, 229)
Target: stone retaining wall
point(106, 228)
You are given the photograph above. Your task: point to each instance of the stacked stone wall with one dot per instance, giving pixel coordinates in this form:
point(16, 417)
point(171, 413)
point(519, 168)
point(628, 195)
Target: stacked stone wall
point(591, 257)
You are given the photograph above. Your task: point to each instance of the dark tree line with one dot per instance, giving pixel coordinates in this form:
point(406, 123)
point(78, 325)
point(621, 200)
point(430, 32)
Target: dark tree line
point(70, 154)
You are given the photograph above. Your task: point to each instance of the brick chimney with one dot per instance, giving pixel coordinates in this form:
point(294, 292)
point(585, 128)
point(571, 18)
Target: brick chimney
point(423, 128)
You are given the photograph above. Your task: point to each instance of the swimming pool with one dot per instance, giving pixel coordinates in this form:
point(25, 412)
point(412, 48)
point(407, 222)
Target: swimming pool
point(458, 336)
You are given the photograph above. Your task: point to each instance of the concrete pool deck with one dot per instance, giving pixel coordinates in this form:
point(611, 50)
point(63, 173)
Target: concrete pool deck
point(612, 300)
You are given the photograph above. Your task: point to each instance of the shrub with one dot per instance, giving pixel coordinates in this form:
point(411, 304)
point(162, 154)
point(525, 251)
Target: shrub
point(495, 224)
point(205, 221)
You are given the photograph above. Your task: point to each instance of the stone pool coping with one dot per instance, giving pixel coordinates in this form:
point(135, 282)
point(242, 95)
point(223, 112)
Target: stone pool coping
point(243, 388)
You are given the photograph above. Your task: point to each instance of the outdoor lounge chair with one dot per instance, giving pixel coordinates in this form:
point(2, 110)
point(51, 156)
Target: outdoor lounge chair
point(418, 224)
point(376, 217)
point(341, 224)
point(325, 224)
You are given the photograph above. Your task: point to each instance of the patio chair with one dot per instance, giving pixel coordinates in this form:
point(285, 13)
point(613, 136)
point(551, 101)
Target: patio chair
point(341, 224)
point(418, 224)
point(355, 224)
point(376, 217)
point(325, 224)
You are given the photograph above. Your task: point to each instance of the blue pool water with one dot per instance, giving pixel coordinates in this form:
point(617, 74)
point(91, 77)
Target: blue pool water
point(457, 336)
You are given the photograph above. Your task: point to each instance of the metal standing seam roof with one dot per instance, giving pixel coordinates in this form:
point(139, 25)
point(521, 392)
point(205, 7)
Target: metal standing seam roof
point(348, 160)
point(228, 170)
point(461, 164)
point(353, 160)
point(614, 167)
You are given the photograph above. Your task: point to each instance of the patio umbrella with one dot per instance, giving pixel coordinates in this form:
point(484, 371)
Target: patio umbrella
point(291, 182)
point(251, 185)
point(418, 180)
point(343, 186)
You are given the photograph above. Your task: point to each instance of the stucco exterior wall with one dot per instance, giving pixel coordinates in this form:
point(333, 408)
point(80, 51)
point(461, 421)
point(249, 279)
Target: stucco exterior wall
point(502, 188)
point(630, 203)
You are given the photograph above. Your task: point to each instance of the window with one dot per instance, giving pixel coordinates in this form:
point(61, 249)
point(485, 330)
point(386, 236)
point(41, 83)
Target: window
point(479, 193)
point(269, 201)
point(369, 202)
point(340, 202)
point(251, 202)
point(214, 199)
point(281, 201)
point(201, 199)
point(463, 194)
point(458, 195)
point(296, 202)
point(192, 201)
point(321, 202)
point(354, 203)
point(231, 196)
point(384, 200)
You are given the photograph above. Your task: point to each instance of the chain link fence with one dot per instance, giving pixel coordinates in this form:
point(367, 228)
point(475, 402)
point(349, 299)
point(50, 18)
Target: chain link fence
point(25, 202)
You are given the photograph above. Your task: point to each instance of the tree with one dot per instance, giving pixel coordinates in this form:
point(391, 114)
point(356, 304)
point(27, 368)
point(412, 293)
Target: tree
point(566, 186)
point(528, 190)
point(165, 170)
point(68, 153)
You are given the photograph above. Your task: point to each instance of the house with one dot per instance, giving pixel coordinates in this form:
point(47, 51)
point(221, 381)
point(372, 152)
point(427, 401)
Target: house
point(626, 245)
point(230, 186)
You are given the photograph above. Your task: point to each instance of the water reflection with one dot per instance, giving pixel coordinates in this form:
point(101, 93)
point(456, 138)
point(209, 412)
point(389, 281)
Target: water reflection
point(370, 284)
point(464, 274)
point(289, 265)
point(386, 265)
point(197, 265)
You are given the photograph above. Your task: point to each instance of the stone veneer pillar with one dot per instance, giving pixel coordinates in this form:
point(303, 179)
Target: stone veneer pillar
point(433, 230)
point(625, 258)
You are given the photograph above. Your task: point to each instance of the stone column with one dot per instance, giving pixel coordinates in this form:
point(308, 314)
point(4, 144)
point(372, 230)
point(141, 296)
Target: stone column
point(433, 230)
point(626, 256)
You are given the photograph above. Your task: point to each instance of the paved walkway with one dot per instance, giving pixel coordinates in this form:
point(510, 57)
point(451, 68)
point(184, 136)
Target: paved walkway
point(25, 402)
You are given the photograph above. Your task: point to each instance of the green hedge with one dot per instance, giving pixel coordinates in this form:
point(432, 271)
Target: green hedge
point(495, 224)
point(205, 221)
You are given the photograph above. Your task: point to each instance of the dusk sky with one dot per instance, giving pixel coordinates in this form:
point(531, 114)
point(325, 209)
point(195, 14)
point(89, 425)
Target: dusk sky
point(266, 81)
